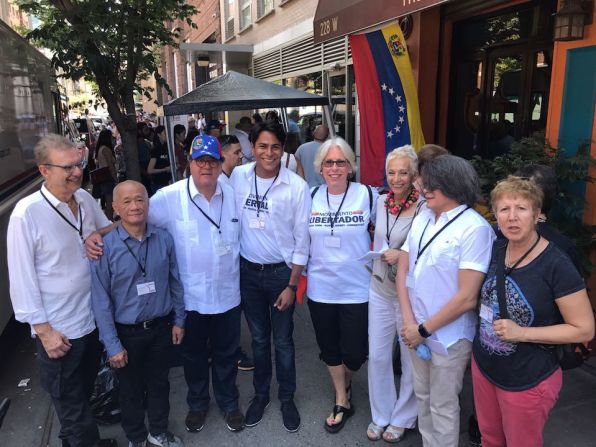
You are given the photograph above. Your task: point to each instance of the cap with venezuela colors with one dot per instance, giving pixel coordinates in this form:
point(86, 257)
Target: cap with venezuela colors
point(205, 145)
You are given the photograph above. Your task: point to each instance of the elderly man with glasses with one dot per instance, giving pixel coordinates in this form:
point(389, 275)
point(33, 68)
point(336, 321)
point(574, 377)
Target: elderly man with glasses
point(50, 284)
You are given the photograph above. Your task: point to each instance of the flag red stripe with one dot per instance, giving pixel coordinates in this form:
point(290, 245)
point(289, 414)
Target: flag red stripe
point(372, 132)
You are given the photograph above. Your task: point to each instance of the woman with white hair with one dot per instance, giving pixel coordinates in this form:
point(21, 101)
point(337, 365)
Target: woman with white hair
point(337, 282)
point(391, 415)
point(439, 274)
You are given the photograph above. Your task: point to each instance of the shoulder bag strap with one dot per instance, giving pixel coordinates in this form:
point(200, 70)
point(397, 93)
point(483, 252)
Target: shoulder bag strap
point(370, 196)
point(314, 191)
point(503, 314)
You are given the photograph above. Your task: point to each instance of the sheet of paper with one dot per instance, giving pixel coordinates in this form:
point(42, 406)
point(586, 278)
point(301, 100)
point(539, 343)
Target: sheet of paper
point(370, 256)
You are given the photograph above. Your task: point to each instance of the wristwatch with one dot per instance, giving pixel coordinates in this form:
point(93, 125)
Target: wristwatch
point(422, 331)
point(292, 287)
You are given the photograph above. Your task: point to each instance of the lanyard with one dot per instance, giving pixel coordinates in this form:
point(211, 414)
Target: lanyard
point(420, 251)
point(388, 231)
point(508, 270)
point(264, 195)
point(216, 225)
point(141, 266)
point(78, 230)
point(340, 205)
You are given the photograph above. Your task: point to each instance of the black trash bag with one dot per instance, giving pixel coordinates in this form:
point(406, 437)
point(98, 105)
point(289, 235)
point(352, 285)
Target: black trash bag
point(104, 400)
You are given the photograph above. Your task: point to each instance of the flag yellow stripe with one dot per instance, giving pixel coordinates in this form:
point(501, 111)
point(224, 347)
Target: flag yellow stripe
point(404, 71)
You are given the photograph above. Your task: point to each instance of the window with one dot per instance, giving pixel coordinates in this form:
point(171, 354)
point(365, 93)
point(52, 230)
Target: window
point(264, 7)
point(229, 18)
point(245, 13)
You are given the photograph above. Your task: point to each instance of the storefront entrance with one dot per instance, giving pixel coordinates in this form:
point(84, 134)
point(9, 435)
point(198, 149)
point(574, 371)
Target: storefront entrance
point(500, 78)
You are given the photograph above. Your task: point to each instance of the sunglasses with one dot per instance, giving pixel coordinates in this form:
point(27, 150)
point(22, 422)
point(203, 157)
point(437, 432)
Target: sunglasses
point(338, 163)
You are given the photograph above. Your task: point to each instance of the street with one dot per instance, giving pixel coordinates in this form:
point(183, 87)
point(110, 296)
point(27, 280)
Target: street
point(30, 421)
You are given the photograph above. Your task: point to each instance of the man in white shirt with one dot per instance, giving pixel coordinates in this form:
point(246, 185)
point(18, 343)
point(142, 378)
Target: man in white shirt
point(200, 214)
point(232, 156)
point(307, 152)
point(242, 131)
point(440, 271)
point(50, 284)
point(274, 207)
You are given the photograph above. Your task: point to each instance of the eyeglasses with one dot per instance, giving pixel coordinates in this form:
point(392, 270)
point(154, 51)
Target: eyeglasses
point(70, 168)
point(338, 163)
point(207, 161)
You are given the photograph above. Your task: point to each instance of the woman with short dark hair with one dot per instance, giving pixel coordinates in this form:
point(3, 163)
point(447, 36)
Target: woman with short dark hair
point(439, 274)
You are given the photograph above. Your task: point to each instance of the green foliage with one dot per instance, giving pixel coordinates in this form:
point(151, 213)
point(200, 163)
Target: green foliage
point(567, 211)
point(110, 42)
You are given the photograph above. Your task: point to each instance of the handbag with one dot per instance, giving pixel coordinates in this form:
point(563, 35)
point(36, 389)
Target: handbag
point(570, 355)
point(100, 175)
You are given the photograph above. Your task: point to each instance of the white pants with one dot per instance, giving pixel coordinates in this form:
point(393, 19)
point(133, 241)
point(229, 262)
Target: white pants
point(437, 384)
point(384, 322)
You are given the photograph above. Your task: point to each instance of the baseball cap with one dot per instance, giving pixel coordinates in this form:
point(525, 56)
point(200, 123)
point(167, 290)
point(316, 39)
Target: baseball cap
point(213, 124)
point(205, 145)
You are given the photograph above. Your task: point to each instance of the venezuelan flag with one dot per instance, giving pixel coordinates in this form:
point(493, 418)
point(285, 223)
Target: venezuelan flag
point(387, 99)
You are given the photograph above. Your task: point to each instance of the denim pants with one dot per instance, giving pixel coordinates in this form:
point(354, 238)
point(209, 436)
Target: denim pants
point(223, 333)
point(69, 381)
point(259, 290)
point(146, 373)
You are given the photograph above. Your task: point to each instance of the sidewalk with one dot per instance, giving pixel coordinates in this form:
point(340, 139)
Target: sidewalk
point(572, 422)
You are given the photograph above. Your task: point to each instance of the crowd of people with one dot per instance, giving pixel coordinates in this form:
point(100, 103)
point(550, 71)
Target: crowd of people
point(187, 259)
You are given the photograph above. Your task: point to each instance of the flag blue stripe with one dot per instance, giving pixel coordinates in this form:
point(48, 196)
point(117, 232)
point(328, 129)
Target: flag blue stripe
point(388, 75)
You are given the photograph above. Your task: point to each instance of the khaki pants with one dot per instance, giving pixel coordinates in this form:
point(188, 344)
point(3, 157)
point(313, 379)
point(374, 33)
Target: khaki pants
point(437, 384)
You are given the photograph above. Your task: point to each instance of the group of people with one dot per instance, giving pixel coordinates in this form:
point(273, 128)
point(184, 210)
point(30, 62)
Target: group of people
point(180, 268)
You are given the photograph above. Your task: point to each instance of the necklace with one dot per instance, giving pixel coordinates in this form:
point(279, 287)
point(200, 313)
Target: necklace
point(394, 207)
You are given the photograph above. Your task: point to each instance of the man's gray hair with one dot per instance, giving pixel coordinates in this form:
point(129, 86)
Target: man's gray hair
point(406, 151)
point(342, 145)
point(454, 177)
point(51, 141)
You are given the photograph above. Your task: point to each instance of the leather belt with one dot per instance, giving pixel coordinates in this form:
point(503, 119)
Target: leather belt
point(261, 267)
point(144, 325)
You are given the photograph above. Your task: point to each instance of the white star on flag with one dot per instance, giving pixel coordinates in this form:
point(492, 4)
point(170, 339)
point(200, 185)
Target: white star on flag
point(384, 87)
point(398, 98)
point(402, 109)
point(401, 119)
point(389, 134)
point(397, 128)
point(391, 91)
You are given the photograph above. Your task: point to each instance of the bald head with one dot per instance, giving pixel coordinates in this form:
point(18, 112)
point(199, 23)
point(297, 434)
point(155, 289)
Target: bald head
point(128, 187)
point(321, 132)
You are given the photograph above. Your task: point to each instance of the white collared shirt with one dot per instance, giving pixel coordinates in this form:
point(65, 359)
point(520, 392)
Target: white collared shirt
point(50, 279)
point(464, 244)
point(223, 178)
point(288, 203)
point(208, 262)
point(245, 145)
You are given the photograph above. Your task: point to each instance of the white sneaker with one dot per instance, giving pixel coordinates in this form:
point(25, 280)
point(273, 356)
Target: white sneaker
point(166, 439)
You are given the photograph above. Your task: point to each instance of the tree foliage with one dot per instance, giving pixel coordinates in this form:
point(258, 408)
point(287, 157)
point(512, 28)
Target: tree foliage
point(111, 42)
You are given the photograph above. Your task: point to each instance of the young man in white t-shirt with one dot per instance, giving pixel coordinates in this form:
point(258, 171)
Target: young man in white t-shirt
point(274, 207)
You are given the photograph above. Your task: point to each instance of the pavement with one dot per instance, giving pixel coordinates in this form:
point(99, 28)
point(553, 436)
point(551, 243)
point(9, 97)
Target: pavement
point(30, 421)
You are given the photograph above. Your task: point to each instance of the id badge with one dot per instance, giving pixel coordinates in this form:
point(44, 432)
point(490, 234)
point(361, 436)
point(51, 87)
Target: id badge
point(145, 286)
point(257, 223)
point(410, 281)
point(332, 242)
point(486, 313)
point(83, 250)
point(222, 247)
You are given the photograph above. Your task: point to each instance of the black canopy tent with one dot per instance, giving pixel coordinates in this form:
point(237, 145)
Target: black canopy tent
point(237, 91)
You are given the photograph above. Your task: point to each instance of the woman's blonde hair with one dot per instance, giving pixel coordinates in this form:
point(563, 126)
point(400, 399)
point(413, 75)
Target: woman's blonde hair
point(518, 186)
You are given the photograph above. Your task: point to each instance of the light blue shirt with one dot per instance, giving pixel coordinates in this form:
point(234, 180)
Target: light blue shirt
point(115, 276)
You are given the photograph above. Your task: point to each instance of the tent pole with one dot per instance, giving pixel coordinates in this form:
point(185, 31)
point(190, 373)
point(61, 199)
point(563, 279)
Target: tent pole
point(284, 118)
point(329, 120)
point(171, 151)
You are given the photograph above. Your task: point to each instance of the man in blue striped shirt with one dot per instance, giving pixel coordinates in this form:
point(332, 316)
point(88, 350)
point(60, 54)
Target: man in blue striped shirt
point(138, 303)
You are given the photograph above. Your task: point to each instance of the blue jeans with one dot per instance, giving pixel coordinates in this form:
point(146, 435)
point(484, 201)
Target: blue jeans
point(259, 290)
point(223, 332)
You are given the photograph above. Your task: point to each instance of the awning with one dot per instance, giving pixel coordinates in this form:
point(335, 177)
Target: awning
point(336, 18)
point(236, 91)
